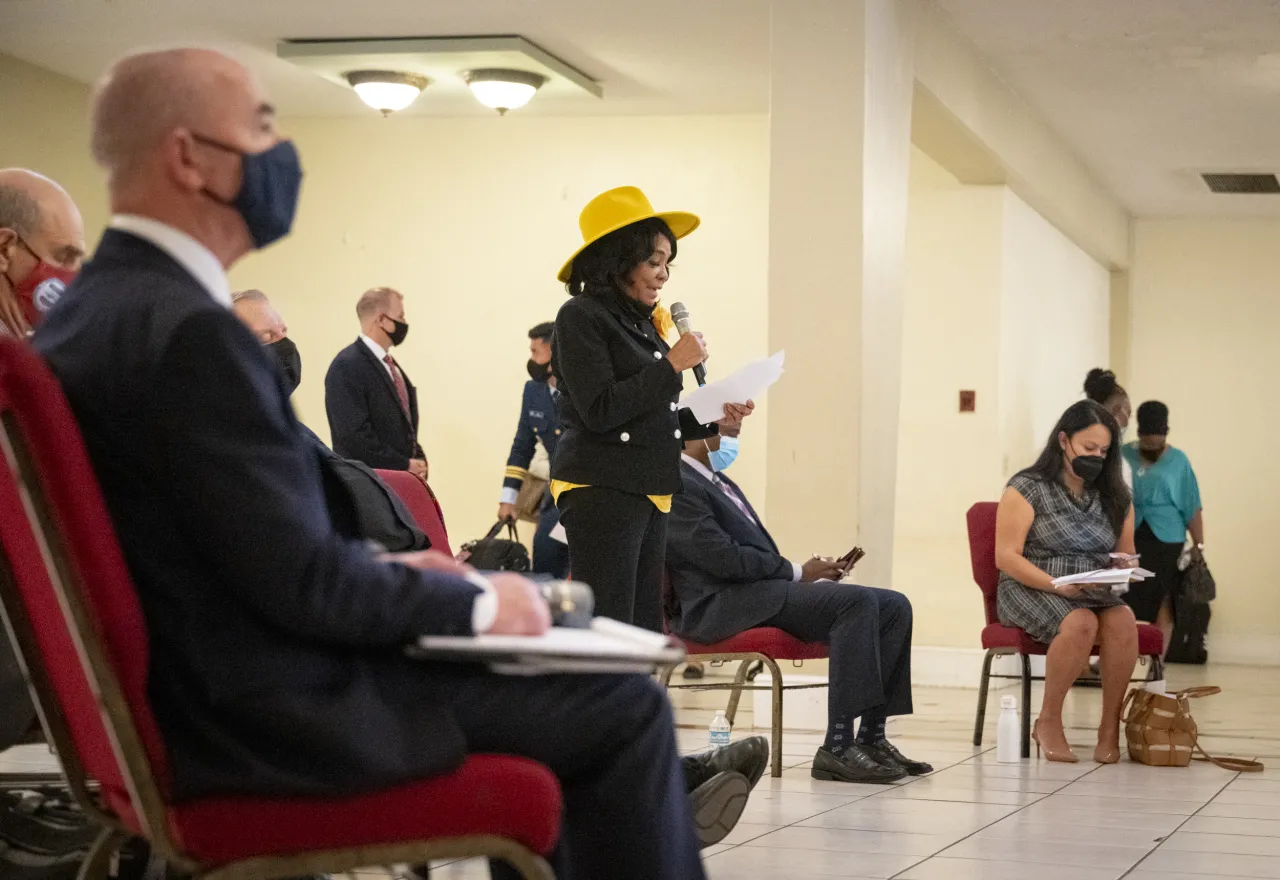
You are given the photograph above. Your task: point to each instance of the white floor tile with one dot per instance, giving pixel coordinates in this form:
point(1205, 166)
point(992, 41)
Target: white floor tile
point(1048, 852)
point(756, 863)
point(1203, 824)
point(842, 840)
point(1240, 844)
point(1213, 864)
point(942, 868)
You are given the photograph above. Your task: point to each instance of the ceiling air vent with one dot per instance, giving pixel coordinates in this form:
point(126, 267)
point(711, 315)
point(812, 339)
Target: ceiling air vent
point(1242, 184)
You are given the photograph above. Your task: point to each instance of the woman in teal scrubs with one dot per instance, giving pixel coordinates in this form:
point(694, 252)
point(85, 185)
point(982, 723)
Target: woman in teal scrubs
point(1166, 503)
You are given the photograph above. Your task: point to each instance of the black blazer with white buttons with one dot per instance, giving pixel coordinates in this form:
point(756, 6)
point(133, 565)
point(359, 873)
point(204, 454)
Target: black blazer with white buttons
point(622, 424)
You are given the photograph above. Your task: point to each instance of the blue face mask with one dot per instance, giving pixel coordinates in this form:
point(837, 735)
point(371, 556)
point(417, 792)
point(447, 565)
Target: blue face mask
point(269, 186)
point(724, 456)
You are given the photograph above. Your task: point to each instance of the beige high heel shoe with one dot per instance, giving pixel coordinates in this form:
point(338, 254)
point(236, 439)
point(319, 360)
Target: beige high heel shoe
point(1062, 757)
point(1107, 754)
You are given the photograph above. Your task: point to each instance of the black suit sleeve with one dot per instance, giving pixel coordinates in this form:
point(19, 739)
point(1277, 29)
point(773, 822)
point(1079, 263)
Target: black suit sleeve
point(695, 540)
point(348, 410)
point(604, 402)
point(250, 499)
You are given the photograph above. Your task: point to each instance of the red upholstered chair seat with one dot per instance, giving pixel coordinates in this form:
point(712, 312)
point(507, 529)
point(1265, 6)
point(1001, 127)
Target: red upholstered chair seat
point(422, 503)
point(763, 640)
point(490, 794)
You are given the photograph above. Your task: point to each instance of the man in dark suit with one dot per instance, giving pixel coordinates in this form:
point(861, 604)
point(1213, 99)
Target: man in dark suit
point(728, 576)
point(275, 661)
point(539, 423)
point(371, 404)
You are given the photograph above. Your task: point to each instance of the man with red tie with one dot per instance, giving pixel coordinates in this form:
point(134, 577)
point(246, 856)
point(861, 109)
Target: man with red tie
point(371, 404)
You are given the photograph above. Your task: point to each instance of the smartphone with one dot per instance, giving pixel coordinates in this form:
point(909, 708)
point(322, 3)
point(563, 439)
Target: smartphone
point(850, 559)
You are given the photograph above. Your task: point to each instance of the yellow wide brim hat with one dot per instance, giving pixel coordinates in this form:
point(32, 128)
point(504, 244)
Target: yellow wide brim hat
point(616, 208)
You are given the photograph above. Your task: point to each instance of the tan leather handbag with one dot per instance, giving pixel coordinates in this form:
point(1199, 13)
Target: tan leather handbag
point(1162, 733)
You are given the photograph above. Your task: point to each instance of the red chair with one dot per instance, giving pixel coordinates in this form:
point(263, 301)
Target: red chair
point(763, 643)
point(1000, 639)
point(422, 503)
point(74, 615)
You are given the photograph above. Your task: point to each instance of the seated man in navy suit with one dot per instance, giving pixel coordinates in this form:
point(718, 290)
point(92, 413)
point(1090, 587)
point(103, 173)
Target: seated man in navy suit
point(276, 664)
point(728, 576)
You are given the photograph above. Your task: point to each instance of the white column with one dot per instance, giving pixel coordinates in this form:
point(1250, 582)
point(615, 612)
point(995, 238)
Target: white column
point(840, 119)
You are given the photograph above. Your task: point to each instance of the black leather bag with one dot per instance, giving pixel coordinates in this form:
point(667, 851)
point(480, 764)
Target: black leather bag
point(492, 553)
point(1198, 585)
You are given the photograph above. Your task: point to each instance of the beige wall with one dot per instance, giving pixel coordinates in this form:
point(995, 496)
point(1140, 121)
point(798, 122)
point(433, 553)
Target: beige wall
point(1001, 303)
point(1204, 324)
point(471, 219)
point(44, 127)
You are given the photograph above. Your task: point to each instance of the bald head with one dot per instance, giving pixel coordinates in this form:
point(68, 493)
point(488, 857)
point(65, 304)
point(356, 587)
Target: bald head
point(171, 129)
point(144, 98)
point(255, 310)
point(37, 213)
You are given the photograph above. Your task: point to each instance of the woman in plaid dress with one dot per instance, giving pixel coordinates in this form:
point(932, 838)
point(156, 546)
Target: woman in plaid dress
point(1065, 515)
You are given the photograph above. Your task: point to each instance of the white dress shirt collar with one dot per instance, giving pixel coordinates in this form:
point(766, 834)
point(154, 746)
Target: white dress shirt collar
point(378, 351)
point(188, 253)
point(699, 467)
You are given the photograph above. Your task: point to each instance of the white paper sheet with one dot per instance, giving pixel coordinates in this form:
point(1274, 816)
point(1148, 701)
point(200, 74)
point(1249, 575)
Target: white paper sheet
point(1103, 577)
point(558, 533)
point(707, 402)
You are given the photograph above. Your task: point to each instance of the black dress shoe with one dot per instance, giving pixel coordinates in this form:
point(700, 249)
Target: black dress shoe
point(748, 756)
point(885, 752)
point(694, 671)
point(717, 805)
point(853, 763)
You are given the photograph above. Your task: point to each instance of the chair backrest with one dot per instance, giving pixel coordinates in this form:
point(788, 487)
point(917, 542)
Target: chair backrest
point(71, 607)
point(982, 554)
point(422, 503)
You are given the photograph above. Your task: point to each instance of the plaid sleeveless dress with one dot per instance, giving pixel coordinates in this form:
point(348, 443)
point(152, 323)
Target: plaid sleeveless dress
point(1067, 536)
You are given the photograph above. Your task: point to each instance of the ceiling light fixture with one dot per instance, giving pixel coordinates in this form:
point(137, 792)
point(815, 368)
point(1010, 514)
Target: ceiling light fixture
point(387, 90)
point(503, 89)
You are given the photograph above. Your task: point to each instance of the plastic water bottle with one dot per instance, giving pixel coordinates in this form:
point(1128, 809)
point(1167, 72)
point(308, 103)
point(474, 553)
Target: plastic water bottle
point(1008, 731)
point(721, 730)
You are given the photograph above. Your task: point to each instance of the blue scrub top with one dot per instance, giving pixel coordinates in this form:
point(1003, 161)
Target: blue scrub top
point(1166, 494)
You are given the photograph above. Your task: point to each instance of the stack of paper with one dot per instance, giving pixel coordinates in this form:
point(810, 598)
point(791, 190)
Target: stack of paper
point(707, 402)
point(608, 646)
point(1105, 577)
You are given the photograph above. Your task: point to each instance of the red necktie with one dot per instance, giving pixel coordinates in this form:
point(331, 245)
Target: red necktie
point(402, 390)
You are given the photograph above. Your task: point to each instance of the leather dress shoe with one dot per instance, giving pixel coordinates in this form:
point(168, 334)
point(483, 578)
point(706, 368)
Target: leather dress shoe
point(852, 763)
point(888, 755)
point(748, 756)
point(717, 804)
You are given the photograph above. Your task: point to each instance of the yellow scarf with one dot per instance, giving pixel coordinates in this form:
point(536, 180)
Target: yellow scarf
point(661, 319)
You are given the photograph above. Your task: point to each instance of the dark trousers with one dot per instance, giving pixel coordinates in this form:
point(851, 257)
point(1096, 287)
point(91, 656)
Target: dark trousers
point(1146, 597)
point(550, 557)
point(617, 546)
point(611, 742)
point(868, 634)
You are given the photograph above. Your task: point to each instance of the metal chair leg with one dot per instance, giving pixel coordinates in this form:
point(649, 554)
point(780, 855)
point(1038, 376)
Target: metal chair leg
point(775, 675)
point(735, 695)
point(97, 864)
point(664, 677)
point(982, 698)
point(1157, 668)
point(1026, 705)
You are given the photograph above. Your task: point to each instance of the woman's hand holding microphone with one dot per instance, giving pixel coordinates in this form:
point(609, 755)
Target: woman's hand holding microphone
point(688, 352)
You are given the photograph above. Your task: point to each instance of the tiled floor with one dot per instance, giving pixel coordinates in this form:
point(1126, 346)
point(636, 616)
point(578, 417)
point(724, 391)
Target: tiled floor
point(975, 819)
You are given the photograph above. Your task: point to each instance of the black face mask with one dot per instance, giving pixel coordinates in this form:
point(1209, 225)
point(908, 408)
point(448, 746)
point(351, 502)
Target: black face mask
point(290, 361)
point(1151, 455)
point(1088, 467)
point(398, 334)
point(539, 372)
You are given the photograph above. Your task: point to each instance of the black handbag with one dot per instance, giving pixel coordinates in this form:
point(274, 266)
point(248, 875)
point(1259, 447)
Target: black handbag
point(1198, 585)
point(492, 553)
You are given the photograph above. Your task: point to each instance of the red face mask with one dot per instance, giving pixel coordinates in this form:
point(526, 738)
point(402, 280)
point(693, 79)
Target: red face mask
point(41, 289)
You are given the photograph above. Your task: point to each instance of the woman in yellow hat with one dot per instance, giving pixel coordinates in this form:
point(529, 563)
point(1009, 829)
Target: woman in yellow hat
point(618, 461)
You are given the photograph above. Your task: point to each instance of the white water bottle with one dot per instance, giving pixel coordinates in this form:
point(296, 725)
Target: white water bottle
point(1008, 731)
point(721, 731)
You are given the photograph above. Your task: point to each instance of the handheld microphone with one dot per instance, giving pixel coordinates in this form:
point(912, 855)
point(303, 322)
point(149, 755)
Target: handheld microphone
point(572, 603)
point(680, 315)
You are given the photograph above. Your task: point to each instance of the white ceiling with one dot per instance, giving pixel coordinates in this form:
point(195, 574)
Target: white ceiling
point(1146, 91)
point(652, 57)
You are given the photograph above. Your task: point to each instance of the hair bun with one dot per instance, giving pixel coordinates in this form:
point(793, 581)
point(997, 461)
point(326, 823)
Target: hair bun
point(1100, 384)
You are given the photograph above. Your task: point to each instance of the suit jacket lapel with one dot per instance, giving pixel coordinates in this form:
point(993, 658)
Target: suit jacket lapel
point(385, 374)
point(759, 522)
